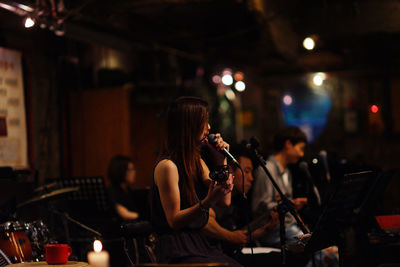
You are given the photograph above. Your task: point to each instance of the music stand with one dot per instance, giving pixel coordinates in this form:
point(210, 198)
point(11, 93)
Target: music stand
point(92, 195)
point(91, 200)
point(339, 211)
point(337, 223)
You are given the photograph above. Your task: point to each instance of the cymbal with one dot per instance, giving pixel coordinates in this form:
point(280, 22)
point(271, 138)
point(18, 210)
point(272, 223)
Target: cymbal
point(46, 187)
point(48, 196)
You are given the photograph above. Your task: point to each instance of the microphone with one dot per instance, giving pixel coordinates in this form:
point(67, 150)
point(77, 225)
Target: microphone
point(304, 167)
point(212, 139)
point(324, 158)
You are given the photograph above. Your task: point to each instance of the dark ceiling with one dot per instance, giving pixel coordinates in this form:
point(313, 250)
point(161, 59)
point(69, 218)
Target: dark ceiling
point(264, 35)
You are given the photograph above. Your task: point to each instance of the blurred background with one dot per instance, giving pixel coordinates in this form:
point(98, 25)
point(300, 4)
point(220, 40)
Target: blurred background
point(84, 80)
point(98, 74)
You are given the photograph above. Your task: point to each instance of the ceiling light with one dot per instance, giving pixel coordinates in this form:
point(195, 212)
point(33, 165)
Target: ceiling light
point(309, 43)
point(319, 78)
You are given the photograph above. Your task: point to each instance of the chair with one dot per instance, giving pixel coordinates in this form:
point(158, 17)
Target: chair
point(138, 232)
point(151, 254)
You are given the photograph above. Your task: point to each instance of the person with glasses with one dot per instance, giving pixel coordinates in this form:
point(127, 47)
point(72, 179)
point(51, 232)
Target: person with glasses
point(122, 174)
point(230, 227)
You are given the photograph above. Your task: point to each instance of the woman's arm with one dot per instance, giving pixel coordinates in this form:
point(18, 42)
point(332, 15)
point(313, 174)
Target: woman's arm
point(125, 213)
point(166, 178)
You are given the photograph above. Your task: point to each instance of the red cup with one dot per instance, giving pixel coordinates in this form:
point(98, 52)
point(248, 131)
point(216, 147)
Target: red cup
point(57, 253)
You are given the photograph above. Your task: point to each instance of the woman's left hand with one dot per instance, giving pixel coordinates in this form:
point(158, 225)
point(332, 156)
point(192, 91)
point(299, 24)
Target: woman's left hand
point(228, 185)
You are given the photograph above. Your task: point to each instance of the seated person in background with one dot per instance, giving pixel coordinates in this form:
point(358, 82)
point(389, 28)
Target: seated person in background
point(122, 175)
point(289, 145)
point(229, 226)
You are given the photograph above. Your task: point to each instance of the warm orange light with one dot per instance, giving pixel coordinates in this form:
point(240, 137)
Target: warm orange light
point(374, 109)
point(239, 76)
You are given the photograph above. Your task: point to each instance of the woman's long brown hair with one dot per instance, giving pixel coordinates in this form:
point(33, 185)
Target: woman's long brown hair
point(186, 119)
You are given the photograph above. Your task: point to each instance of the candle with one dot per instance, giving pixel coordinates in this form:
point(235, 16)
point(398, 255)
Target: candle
point(98, 258)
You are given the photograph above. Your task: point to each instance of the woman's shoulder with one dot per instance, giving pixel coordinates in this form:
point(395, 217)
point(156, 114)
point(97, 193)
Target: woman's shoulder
point(166, 164)
point(165, 168)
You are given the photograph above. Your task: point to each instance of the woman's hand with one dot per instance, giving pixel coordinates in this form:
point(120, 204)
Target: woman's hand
point(216, 192)
point(220, 144)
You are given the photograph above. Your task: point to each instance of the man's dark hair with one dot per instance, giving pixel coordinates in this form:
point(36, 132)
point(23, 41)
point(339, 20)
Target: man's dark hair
point(240, 150)
point(117, 169)
point(291, 133)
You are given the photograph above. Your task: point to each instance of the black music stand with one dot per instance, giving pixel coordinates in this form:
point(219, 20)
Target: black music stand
point(92, 196)
point(90, 201)
point(341, 216)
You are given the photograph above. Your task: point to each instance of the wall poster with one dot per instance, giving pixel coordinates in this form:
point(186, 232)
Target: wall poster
point(13, 133)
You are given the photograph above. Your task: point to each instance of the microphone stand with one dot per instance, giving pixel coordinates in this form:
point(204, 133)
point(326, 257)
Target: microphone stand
point(284, 206)
point(65, 217)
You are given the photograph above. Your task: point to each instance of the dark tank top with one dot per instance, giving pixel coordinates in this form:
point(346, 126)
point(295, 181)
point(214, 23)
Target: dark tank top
point(158, 218)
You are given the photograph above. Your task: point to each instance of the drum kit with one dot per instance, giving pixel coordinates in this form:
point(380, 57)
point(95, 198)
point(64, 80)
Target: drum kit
point(23, 241)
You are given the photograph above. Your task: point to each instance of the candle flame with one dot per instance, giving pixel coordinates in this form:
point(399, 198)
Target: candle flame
point(97, 246)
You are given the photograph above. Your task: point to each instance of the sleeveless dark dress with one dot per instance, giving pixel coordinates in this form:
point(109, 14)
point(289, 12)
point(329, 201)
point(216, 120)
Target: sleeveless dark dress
point(187, 245)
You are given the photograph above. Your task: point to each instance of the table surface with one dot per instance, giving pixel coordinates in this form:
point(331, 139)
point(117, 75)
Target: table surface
point(43, 263)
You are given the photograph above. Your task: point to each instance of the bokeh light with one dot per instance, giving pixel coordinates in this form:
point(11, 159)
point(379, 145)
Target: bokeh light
point(29, 22)
point(309, 43)
point(216, 79)
point(239, 76)
point(374, 108)
point(240, 86)
point(319, 78)
point(230, 94)
point(227, 79)
point(287, 100)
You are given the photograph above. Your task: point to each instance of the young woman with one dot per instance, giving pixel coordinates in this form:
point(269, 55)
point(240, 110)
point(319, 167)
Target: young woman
point(122, 174)
point(182, 192)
